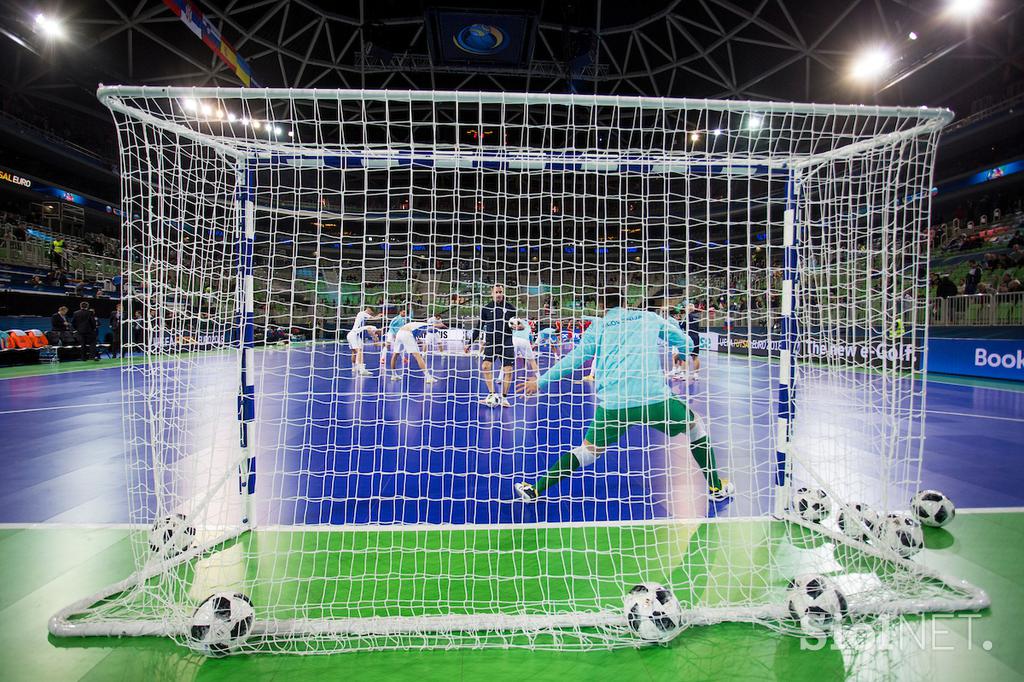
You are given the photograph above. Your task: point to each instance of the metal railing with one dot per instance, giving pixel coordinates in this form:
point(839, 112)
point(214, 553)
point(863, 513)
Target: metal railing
point(77, 264)
point(978, 310)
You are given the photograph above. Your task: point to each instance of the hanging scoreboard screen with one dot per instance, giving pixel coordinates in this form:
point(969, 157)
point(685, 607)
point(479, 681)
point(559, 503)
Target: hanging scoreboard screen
point(467, 38)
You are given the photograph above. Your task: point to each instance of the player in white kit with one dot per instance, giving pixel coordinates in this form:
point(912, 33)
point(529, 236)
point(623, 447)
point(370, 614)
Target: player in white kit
point(521, 343)
point(355, 338)
point(405, 342)
point(356, 342)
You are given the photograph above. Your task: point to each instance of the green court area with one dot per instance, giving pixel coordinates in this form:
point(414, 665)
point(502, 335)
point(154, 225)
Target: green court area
point(44, 568)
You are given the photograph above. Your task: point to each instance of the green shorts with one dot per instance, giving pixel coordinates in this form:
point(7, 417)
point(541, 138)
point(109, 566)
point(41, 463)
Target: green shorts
point(671, 417)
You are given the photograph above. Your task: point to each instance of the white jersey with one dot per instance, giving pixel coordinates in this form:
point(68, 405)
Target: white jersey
point(433, 321)
point(355, 337)
point(405, 342)
point(413, 326)
point(361, 319)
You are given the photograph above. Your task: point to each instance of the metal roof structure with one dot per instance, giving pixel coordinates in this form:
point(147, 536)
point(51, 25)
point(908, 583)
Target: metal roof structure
point(755, 49)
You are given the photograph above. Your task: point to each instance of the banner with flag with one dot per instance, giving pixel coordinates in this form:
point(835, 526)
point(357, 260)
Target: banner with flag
point(205, 30)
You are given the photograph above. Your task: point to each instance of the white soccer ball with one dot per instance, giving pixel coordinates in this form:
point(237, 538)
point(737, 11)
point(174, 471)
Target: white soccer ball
point(653, 612)
point(932, 508)
point(811, 504)
point(816, 604)
point(221, 624)
point(858, 521)
point(902, 534)
point(171, 535)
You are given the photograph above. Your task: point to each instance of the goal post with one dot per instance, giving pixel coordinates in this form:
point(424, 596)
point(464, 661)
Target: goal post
point(371, 504)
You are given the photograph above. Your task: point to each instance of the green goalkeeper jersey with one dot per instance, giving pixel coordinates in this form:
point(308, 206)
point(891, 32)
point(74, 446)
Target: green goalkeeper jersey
point(627, 349)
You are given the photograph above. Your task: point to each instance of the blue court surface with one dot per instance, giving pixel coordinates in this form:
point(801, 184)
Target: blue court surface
point(371, 450)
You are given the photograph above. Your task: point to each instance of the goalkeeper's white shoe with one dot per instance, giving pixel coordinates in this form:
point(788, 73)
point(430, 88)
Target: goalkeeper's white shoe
point(503, 401)
point(527, 493)
point(396, 377)
point(429, 378)
point(363, 372)
point(490, 401)
point(727, 490)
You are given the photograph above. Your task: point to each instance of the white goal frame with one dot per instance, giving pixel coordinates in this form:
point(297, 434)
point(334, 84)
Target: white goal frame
point(249, 156)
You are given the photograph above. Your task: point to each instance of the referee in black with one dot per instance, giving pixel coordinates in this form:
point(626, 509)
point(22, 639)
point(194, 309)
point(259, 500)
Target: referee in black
point(497, 346)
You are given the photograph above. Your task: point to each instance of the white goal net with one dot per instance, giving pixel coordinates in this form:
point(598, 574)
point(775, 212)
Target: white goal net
point(724, 303)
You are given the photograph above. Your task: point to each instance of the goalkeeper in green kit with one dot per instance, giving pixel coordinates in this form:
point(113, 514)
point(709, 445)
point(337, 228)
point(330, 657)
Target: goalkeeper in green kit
point(630, 385)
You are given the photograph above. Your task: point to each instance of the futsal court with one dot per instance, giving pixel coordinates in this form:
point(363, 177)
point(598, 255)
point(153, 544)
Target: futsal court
point(406, 452)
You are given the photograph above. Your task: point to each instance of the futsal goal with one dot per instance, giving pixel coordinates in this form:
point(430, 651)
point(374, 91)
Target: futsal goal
point(372, 512)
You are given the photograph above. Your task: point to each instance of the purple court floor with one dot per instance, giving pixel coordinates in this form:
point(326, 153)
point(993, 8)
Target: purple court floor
point(333, 449)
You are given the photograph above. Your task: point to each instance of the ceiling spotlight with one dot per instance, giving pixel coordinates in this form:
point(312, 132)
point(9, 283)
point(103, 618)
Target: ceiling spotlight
point(49, 26)
point(231, 117)
point(291, 134)
point(277, 131)
point(255, 124)
point(716, 132)
point(871, 63)
point(964, 8)
point(244, 121)
point(694, 137)
point(205, 109)
point(220, 114)
point(912, 35)
point(189, 104)
point(754, 122)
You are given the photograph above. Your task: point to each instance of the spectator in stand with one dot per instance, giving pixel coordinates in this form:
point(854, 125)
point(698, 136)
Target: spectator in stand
point(945, 287)
point(1013, 287)
point(973, 278)
point(991, 261)
point(116, 320)
point(84, 322)
point(37, 281)
point(60, 326)
point(1016, 257)
point(1016, 239)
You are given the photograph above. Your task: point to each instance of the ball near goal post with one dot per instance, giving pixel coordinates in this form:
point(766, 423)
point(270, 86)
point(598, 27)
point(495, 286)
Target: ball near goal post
point(356, 513)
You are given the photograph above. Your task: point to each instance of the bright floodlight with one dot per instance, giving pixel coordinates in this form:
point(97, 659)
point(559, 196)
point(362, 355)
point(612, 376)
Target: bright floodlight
point(694, 137)
point(49, 26)
point(965, 8)
point(871, 63)
point(231, 117)
point(716, 132)
point(754, 122)
point(206, 109)
point(189, 104)
point(912, 35)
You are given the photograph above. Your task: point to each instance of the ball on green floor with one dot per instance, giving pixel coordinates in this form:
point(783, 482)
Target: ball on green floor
point(811, 504)
point(932, 508)
point(171, 535)
point(653, 612)
point(858, 521)
point(221, 624)
point(902, 534)
point(816, 604)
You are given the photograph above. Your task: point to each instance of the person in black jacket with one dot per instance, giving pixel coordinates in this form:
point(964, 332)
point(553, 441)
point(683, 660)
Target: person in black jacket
point(116, 320)
point(497, 345)
point(84, 322)
point(61, 327)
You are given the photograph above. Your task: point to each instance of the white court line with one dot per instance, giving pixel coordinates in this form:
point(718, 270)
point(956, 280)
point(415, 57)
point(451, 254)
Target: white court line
point(972, 414)
point(455, 526)
point(59, 407)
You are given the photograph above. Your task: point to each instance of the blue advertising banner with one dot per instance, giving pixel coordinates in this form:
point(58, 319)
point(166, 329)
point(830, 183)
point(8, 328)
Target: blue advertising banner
point(993, 358)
